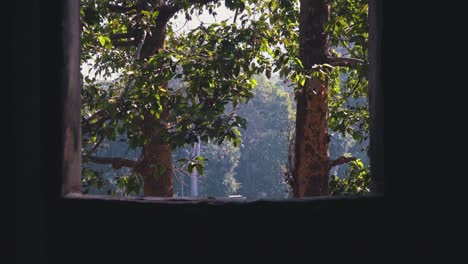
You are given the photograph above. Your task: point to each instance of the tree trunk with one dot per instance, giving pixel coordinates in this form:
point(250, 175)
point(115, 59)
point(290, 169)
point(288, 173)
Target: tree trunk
point(156, 165)
point(194, 176)
point(312, 162)
point(157, 170)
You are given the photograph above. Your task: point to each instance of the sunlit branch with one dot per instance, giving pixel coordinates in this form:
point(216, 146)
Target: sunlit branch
point(117, 163)
point(344, 62)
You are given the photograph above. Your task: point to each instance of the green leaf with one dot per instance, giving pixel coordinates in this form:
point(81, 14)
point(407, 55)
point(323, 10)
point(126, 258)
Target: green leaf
point(299, 62)
point(200, 168)
point(268, 73)
point(102, 40)
point(190, 167)
point(302, 80)
point(201, 159)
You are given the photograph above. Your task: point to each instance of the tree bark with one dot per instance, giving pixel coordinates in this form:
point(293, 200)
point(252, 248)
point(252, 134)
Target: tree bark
point(312, 162)
point(194, 176)
point(156, 169)
point(156, 166)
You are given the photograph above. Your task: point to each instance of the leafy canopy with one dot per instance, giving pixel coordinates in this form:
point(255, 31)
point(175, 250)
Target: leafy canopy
point(201, 73)
point(208, 69)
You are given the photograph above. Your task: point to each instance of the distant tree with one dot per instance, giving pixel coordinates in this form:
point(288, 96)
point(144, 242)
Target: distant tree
point(255, 169)
point(220, 176)
point(264, 152)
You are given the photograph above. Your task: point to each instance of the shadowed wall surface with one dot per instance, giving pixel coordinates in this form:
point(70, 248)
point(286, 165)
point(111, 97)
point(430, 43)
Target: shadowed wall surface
point(380, 230)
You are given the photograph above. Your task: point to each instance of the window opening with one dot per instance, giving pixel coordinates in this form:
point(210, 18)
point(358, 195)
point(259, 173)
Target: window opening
point(198, 98)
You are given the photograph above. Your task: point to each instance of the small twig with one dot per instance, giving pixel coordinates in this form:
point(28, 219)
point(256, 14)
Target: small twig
point(342, 61)
point(181, 26)
point(96, 146)
point(235, 16)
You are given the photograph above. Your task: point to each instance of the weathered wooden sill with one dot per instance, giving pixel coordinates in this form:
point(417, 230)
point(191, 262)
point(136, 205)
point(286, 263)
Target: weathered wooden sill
point(220, 200)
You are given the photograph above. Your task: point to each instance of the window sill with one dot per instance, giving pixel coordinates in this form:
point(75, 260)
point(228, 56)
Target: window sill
point(223, 200)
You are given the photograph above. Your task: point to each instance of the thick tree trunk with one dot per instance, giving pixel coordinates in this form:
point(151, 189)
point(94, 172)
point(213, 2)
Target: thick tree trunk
point(157, 170)
point(156, 165)
point(312, 162)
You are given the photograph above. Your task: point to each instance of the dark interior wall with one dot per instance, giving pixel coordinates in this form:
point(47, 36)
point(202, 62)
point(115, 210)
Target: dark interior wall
point(424, 77)
point(26, 51)
point(416, 218)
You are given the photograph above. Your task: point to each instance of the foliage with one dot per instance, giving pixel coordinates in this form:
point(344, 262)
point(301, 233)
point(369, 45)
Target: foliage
point(254, 169)
point(93, 180)
point(104, 179)
point(356, 183)
point(349, 114)
point(349, 29)
point(220, 177)
point(214, 65)
point(269, 116)
point(346, 146)
point(211, 71)
point(126, 86)
point(130, 184)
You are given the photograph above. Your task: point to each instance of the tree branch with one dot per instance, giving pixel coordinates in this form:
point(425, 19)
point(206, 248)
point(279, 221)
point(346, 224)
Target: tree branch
point(96, 145)
point(117, 163)
point(194, 2)
point(130, 35)
point(235, 16)
point(124, 43)
point(85, 127)
point(346, 46)
point(176, 6)
point(120, 9)
point(101, 116)
point(342, 160)
point(344, 62)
